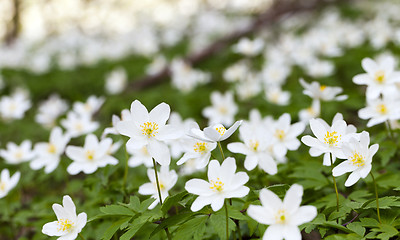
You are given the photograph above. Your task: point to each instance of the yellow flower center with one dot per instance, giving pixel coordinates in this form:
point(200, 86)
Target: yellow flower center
point(19, 154)
point(221, 130)
point(2, 186)
point(78, 126)
point(357, 160)
point(280, 134)
point(280, 217)
point(65, 225)
point(380, 76)
point(90, 155)
point(311, 111)
point(254, 145)
point(223, 110)
point(332, 138)
point(51, 148)
point(322, 88)
point(217, 186)
point(149, 129)
point(382, 109)
point(200, 147)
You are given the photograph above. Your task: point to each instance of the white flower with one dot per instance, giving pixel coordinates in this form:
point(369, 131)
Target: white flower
point(255, 146)
point(236, 72)
point(222, 183)
point(275, 73)
point(197, 150)
point(276, 95)
point(320, 68)
point(249, 87)
point(48, 154)
point(322, 92)
point(92, 155)
point(311, 112)
point(14, 106)
point(176, 145)
point(329, 138)
point(359, 158)
point(185, 78)
point(7, 183)
point(249, 47)
point(125, 115)
point(166, 180)
point(223, 109)
point(116, 81)
point(158, 64)
point(380, 110)
point(284, 135)
point(88, 108)
point(68, 224)
point(284, 217)
point(50, 110)
point(78, 125)
point(139, 156)
point(214, 133)
point(379, 78)
point(17, 154)
point(150, 130)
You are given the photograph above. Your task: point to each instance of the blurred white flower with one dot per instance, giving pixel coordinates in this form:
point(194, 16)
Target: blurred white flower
point(88, 108)
point(275, 73)
point(223, 109)
point(321, 92)
point(50, 110)
point(249, 87)
point(214, 133)
point(68, 224)
point(15, 154)
point(14, 106)
point(277, 96)
point(92, 155)
point(7, 183)
point(236, 72)
point(284, 217)
point(48, 154)
point(223, 182)
point(166, 180)
point(78, 125)
point(320, 68)
point(380, 110)
point(150, 130)
point(359, 158)
point(249, 47)
point(139, 156)
point(116, 81)
point(158, 64)
point(125, 115)
point(185, 78)
point(311, 112)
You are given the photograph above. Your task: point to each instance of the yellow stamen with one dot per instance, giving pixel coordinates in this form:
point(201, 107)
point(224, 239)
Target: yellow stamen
point(221, 130)
point(332, 138)
point(254, 145)
point(280, 134)
point(322, 88)
point(51, 148)
point(223, 110)
point(382, 109)
point(380, 76)
point(200, 147)
point(149, 129)
point(217, 186)
point(19, 154)
point(2, 186)
point(357, 160)
point(90, 155)
point(65, 225)
point(280, 217)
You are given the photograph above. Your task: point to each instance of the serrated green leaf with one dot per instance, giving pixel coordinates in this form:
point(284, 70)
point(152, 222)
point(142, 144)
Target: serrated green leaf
point(385, 203)
point(134, 227)
point(116, 210)
point(369, 222)
point(189, 228)
point(173, 220)
point(386, 230)
point(357, 228)
point(110, 231)
point(218, 221)
point(172, 200)
point(145, 204)
point(359, 195)
point(236, 214)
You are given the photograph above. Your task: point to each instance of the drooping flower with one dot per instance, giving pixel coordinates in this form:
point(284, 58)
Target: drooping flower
point(166, 180)
point(92, 155)
point(359, 158)
point(223, 182)
point(283, 217)
point(214, 133)
point(150, 130)
point(15, 154)
point(48, 153)
point(7, 183)
point(68, 224)
point(223, 109)
point(329, 139)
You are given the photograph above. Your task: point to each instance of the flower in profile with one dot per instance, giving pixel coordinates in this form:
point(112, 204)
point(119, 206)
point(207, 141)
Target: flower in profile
point(329, 139)
point(166, 180)
point(48, 154)
point(222, 183)
point(283, 217)
point(15, 154)
point(322, 92)
point(92, 155)
point(7, 183)
point(214, 133)
point(359, 159)
point(125, 115)
point(150, 130)
point(223, 109)
point(68, 224)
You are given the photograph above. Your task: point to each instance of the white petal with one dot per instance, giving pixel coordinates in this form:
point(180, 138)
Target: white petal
point(238, 193)
point(139, 113)
point(274, 232)
point(260, 214)
point(317, 128)
point(250, 162)
point(160, 114)
point(268, 164)
point(353, 178)
point(343, 168)
point(303, 215)
point(293, 197)
point(159, 151)
point(198, 187)
point(270, 200)
point(231, 130)
point(213, 170)
point(291, 233)
point(217, 203)
point(51, 229)
point(199, 203)
point(238, 147)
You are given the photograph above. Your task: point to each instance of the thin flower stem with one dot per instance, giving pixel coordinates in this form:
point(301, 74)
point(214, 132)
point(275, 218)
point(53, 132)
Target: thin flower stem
point(222, 152)
point(81, 236)
point(238, 230)
point(158, 183)
point(334, 184)
point(376, 196)
point(126, 171)
point(227, 220)
point(389, 128)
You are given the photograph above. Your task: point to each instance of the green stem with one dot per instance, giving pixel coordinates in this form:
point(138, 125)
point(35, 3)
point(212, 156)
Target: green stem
point(168, 234)
point(227, 220)
point(238, 230)
point(158, 183)
point(376, 196)
point(222, 152)
point(334, 184)
point(126, 171)
point(81, 236)
point(389, 128)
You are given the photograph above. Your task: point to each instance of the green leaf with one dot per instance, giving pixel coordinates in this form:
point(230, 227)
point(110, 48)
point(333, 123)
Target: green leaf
point(369, 222)
point(357, 228)
point(134, 227)
point(116, 210)
point(218, 221)
point(279, 189)
point(145, 204)
point(172, 200)
point(110, 231)
point(387, 150)
point(385, 203)
point(387, 231)
point(191, 228)
point(173, 220)
point(236, 214)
